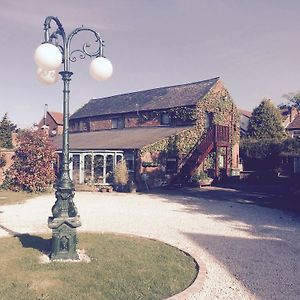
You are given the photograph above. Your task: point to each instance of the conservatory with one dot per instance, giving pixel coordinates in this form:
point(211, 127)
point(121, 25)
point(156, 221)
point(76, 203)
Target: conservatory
point(96, 167)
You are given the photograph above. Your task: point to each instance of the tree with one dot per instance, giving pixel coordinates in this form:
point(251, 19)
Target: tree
point(293, 100)
point(6, 129)
point(265, 122)
point(32, 168)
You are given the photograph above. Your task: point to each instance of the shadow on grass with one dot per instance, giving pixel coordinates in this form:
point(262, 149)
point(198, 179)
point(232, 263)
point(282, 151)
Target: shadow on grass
point(35, 242)
point(30, 241)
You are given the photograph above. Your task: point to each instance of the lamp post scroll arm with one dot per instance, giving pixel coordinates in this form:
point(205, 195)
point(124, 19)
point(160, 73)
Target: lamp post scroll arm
point(47, 25)
point(84, 51)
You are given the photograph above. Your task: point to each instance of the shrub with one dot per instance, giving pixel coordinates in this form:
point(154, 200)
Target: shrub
point(2, 161)
point(199, 176)
point(121, 173)
point(266, 154)
point(32, 168)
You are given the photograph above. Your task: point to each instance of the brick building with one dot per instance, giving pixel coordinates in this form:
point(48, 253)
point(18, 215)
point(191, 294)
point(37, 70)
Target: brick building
point(52, 122)
point(165, 133)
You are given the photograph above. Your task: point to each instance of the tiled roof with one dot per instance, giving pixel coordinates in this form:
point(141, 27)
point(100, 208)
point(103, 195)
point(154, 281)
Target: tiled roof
point(295, 124)
point(57, 117)
point(159, 98)
point(244, 112)
point(118, 139)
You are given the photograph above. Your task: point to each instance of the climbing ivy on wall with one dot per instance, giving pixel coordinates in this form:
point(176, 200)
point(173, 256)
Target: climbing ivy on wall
point(183, 114)
point(178, 115)
point(218, 102)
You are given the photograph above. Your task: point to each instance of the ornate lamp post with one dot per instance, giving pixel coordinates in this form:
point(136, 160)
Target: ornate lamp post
point(54, 53)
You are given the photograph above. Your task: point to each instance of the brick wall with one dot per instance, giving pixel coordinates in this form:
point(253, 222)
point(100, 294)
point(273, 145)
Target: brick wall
point(99, 123)
point(53, 126)
point(235, 156)
point(135, 121)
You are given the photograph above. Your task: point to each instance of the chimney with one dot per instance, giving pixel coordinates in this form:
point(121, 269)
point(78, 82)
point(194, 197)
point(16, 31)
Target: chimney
point(45, 114)
point(293, 113)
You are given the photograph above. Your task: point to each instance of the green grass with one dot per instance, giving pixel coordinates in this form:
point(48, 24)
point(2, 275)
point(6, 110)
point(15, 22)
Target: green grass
point(9, 197)
point(121, 267)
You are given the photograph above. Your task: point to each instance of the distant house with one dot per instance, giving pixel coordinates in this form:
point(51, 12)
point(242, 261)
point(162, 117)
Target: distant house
point(291, 163)
point(288, 115)
point(293, 127)
point(52, 122)
point(290, 121)
point(244, 121)
point(163, 134)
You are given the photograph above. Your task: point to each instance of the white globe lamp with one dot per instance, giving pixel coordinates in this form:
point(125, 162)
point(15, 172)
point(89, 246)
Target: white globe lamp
point(48, 57)
point(101, 68)
point(47, 76)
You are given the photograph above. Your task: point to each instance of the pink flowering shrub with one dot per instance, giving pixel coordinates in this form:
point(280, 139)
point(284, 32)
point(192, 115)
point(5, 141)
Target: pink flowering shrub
point(32, 168)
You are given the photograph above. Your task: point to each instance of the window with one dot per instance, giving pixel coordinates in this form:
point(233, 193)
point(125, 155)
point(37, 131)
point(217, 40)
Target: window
point(75, 126)
point(76, 167)
point(109, 168)
point(98, 168)
point(296, 134)
point(171, 166)
point(84, 126)
point(118, 123)
point(165, 119)
point(129, 158)
point(208, 119)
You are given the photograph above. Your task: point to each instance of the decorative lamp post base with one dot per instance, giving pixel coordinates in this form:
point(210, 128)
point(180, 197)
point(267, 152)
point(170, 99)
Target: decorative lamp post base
point(64, 238)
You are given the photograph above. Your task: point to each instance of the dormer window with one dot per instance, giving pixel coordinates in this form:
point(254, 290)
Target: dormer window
point(118, 123)
point(165, 119)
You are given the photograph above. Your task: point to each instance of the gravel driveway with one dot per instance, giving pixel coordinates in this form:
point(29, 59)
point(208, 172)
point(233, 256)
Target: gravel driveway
point(250, 252)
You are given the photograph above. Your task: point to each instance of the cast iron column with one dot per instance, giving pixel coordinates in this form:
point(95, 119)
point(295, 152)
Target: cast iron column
point(65, 219)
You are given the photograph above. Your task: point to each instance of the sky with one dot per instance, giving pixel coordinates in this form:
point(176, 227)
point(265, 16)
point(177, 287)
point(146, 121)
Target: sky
point(253, 46)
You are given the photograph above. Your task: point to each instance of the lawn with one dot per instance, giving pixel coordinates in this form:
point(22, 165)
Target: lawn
point(9, 197)
point(121, 267)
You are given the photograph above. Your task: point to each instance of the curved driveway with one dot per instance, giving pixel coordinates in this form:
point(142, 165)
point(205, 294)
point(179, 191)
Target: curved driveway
point(250, 252)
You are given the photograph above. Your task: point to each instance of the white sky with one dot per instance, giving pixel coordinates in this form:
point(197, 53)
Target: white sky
point(254, 46)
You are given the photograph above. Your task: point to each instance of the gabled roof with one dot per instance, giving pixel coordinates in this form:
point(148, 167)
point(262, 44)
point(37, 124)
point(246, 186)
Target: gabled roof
point(295, 124)
point(57, 117)
point(118, 139)
point(244, 112)
point(159, 98)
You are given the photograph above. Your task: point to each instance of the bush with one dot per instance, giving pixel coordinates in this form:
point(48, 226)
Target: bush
point(261, 154)
point(121, 176)
point(32, 169)
point(265, 155)
point(2, 161)
point(199, 176)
